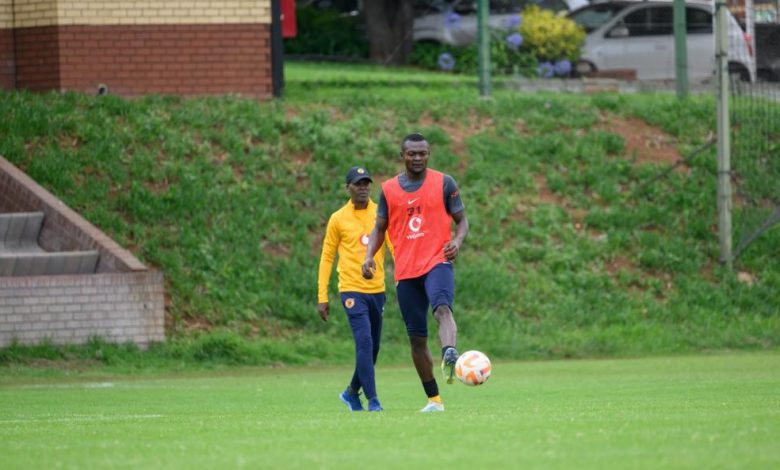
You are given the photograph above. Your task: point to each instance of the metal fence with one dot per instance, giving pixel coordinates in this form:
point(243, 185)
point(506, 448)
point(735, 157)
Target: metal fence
point(754, 128)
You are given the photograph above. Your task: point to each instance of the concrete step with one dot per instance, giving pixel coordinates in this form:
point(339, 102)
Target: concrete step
point(19, 232)
point(48, 263)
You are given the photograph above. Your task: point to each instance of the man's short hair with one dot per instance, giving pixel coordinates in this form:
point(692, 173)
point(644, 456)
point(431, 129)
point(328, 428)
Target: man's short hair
point(414, 137)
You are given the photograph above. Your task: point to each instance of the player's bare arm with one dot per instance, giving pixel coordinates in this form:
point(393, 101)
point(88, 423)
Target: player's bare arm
point(452, 247)
point(375, 240)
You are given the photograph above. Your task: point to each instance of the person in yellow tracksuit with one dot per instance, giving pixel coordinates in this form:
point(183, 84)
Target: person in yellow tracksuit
point(363, 299)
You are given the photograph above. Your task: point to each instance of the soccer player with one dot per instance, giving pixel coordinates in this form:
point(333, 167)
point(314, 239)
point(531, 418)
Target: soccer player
point(416, 208)
point(363, 299)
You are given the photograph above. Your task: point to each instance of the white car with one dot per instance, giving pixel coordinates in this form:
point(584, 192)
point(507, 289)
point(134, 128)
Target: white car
point(639, 36)
point(455, 22)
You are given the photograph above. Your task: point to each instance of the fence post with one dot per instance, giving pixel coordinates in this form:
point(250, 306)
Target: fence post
point(724, 141)
point(680, 49)
point(483, 58)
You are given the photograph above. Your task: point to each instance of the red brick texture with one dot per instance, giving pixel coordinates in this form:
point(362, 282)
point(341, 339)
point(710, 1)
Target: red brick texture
point(143, 59)
point(7, 67)
point(37, 58)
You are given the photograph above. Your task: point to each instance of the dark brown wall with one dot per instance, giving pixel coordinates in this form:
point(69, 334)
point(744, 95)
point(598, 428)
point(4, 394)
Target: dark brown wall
point(6, 59)
point(37, 58)
point(143, 59)
point(136, 60)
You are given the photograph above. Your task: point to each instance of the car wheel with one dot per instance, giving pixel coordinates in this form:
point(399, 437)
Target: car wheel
point(739, 72)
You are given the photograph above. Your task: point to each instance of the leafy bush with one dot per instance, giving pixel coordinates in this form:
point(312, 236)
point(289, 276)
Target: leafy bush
point(539, 43)
point(503, 59)
point(549, 36)
point(326, 32)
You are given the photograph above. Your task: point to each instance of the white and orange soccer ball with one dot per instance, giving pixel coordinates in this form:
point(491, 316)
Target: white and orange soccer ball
point(473, 368)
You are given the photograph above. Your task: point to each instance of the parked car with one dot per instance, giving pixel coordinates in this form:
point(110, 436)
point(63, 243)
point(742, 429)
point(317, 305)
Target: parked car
point(639, 35)
point(455, 22)
point(767, 52)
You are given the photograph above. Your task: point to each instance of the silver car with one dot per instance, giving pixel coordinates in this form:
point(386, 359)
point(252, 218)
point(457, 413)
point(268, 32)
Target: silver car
point(639, 36)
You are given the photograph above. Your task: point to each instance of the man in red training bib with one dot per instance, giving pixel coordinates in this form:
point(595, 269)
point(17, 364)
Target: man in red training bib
point(416, 210)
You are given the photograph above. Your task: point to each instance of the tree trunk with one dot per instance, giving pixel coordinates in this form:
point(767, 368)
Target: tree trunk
point(389, 26)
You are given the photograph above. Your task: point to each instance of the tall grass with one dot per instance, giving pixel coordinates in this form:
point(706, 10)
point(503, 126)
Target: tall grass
point(566, 258)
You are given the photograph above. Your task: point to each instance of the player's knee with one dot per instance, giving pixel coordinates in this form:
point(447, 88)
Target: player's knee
point(442, 312)
point(418, 343)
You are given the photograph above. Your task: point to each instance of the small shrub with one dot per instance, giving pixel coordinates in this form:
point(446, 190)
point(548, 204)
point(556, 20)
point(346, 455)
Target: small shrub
point(550, 37)
point(17, 352)
point(540, 43)
point(503, 59)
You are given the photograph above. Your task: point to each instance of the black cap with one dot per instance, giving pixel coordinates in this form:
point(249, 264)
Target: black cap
point(357, 173)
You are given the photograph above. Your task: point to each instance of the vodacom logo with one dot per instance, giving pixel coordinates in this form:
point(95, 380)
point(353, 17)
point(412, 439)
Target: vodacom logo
point(415, 223)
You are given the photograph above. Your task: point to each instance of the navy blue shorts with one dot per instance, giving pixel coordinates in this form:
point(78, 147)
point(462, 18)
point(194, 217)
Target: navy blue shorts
point(416, 295)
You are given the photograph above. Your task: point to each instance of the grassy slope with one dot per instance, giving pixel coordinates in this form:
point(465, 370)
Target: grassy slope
point(229, 198)
point(717, 411)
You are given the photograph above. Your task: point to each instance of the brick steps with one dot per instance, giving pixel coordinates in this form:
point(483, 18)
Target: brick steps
point(19, 231)
point(48, 263)
point(117, 298)
point(20, 254)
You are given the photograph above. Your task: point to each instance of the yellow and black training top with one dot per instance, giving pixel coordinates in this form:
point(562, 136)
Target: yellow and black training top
point(347, 233)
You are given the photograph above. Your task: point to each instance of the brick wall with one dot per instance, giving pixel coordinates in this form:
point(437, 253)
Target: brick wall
point(175, 59)
point(6, 14)
point(7, 67)
point(122, 307)
point(37, 58)
point(28, 13)
point(122, 302)
point(135, 12)
point(188, 47)
point(7, 80)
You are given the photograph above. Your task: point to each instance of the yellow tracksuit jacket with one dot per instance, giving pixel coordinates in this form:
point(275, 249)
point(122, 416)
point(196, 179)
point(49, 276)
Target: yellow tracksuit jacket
point(347, 234)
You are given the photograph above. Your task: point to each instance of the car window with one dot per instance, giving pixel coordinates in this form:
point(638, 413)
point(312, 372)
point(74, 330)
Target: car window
point(593, 17)
point(651, 21)
point(698, 21)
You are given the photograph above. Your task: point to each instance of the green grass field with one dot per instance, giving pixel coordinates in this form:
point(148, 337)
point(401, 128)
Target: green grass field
point(577, 250)
point(717, 411)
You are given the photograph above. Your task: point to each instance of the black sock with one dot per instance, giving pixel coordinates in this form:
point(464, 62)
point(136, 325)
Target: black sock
point(445, 348)
point(431, 388)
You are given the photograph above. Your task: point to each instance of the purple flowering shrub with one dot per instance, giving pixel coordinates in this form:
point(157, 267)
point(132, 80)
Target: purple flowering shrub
point(511, 50)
